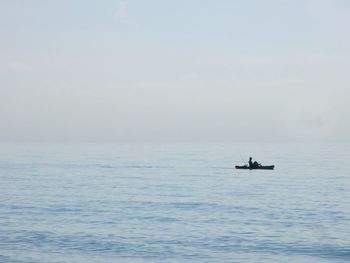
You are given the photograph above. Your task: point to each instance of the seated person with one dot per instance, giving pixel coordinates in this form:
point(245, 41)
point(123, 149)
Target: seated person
point(253, 164)
point(250, 162)
point(256, 164)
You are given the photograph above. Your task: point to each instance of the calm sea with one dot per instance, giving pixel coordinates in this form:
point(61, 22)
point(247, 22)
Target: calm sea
point(174, 203)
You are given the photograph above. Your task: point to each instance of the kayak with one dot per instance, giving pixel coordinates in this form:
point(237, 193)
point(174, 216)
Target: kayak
point(268, 167)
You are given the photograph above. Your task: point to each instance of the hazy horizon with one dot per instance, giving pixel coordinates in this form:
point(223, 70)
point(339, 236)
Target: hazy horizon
point(174, 70)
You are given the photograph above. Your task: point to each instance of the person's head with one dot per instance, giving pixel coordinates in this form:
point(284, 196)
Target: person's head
point(250, 158)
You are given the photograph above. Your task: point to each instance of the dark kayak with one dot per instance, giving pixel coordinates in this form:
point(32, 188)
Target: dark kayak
point(268, 167)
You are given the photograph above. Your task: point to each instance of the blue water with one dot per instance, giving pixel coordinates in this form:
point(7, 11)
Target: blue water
point(174, 203)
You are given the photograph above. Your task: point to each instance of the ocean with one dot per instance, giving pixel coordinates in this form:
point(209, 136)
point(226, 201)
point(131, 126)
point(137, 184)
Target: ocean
point(174, 202)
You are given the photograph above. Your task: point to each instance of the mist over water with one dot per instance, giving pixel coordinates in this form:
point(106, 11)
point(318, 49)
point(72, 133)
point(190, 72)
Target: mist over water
point(132, 70)
point(205, 83)
point(173, 203)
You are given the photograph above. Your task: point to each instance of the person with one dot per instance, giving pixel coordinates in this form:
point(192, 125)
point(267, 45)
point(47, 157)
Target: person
point(250, 162)
point(253, 164)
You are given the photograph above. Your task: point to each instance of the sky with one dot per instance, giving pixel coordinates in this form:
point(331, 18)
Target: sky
point(184, 70)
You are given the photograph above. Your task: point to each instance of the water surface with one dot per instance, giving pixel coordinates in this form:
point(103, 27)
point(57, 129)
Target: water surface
point(174, 203)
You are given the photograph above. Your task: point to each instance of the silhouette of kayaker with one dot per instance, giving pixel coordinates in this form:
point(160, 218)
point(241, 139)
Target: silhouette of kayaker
point(253, 164)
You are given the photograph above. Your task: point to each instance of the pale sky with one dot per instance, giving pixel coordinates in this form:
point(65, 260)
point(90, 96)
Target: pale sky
point(184, 70)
